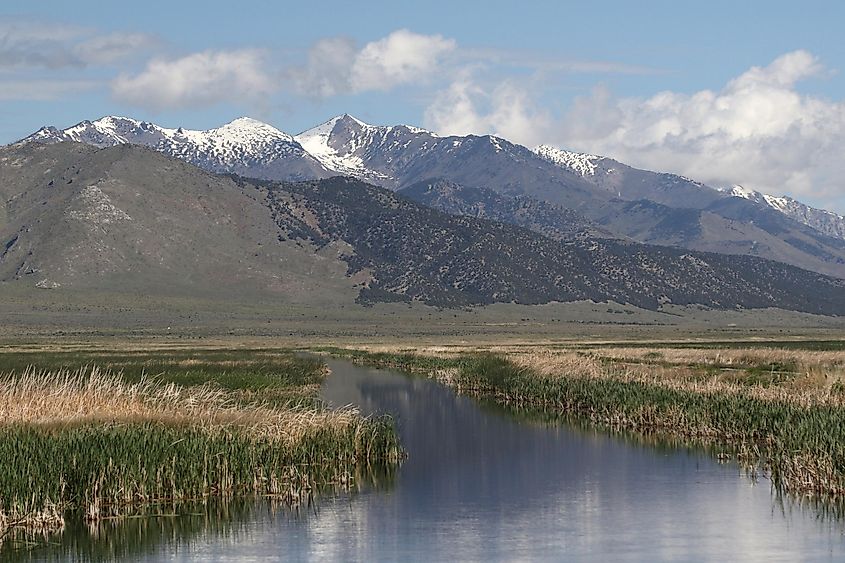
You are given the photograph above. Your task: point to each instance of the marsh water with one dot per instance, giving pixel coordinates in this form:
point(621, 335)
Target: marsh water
point(479, 484)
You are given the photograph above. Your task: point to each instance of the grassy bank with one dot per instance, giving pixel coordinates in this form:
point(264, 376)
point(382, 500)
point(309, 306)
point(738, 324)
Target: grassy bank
point(166, 427)
point(780, 410)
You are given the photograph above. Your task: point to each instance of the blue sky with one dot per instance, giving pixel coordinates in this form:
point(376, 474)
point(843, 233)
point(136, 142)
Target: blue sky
point(725, 92)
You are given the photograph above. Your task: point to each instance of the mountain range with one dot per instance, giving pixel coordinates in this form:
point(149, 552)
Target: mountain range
point(599, 194)
point(131, 219)
point(348, 211)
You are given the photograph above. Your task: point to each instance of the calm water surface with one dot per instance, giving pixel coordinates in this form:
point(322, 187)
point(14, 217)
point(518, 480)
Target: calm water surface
point(479, 485)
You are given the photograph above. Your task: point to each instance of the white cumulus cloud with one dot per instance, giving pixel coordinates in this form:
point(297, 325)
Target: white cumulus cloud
point(506, 110)
point(399, 58)
point(328, 69)
point(337, 66)
point(196, 80)
point(47, 61)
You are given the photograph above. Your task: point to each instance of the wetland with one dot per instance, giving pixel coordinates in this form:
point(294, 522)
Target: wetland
point(484, 477)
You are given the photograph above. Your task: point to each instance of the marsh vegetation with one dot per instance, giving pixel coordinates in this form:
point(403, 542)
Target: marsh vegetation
point(97, 435)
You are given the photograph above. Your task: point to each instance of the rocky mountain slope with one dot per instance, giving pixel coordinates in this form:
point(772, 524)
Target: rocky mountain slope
point(408, 251)
point(626, 183)
point(729, 225)
point(127, 219)
point(397, 156)
point(656, 208)
point(552, 221)
point(667, 209)
point(632, 184)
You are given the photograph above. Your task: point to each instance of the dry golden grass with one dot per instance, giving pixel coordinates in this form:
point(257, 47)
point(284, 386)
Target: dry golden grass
point(68, 398)
point(47, 519)
point(739, 357)
point(812, 380)
point(808, 377)
point(804, 390)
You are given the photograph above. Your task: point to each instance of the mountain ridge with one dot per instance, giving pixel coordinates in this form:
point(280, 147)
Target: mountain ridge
point(827, 222)
point(240, 146)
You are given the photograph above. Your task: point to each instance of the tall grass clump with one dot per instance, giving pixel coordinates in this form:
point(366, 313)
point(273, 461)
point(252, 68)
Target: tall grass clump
point(87, 440)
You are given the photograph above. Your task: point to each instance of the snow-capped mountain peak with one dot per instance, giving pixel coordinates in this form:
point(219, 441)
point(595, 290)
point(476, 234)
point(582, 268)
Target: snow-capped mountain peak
point(246, 130)
point(580, 163)
point(328, 126)
point(47, 134)
point(104, 132)
point(418, 130)
point(322, 132)
point(369, 152)
point(110, 126)
point(738, 190)
point(354, 119)
point(344, 143)
point(243, 138)
point(321, 142)
point(247, 122)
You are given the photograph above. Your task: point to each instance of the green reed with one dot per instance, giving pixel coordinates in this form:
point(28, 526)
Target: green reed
point(114, 464)
point(102, 469)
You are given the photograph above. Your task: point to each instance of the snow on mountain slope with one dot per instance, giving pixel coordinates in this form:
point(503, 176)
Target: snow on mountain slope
point(354, 148)
point(105, 132)
point(580, 163)
point(242, 141)
point(826, 222)
point(343, 159)
point(741, 191)
point(628, 183)
point(596, 169)
point(244, 146)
